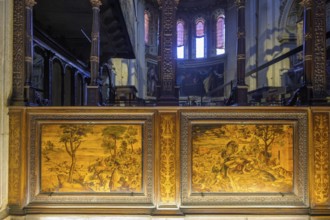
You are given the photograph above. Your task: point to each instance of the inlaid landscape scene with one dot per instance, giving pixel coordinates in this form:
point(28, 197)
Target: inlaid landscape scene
point(91, 158)
point(243, 158)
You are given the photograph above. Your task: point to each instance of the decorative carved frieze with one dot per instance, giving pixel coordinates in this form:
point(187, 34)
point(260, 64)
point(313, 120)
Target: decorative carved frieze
point(321, 158)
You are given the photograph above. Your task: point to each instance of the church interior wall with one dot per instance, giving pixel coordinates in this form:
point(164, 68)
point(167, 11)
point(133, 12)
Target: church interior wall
point(166, 124)
point(231, 34)
point(251, 42)
point(132, 71)
point(140, 63)
point(6, 13)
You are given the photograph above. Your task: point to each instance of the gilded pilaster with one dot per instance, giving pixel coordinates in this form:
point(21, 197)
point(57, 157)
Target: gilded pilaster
point(16, 161)
point(168, 161)
point(320, 183)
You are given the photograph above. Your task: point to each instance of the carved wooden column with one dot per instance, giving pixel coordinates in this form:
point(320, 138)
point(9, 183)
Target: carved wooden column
point(93, 95)
point(318, 29)
point(28, 90)
point(168, 90)
point(18, 53)
point(241, 90)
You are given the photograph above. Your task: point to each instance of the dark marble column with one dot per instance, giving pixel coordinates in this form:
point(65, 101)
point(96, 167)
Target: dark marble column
point(317, 18)
point(241, 90)
point(28, 89)
point(308, 52)
point(168, 89)
point(93, 94)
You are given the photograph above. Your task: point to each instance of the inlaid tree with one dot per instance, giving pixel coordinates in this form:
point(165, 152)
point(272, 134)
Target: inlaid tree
point(72, 136)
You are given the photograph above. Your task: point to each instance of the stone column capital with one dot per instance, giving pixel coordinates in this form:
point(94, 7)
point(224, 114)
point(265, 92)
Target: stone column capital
point(96, 3)
point(30, 3)
point(306, 3)
point(240, 3)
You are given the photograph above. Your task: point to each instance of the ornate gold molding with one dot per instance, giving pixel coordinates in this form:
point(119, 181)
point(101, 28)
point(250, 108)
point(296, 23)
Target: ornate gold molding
point(308, 36)
point(167, 159)
point(14, 158)
point(241, 56)
point(30, 3)
point(321, 158)
point(306, 3)
point(94, 59)
point(96, 3)
point(240, 34)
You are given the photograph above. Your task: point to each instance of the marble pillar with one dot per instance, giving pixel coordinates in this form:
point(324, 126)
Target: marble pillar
point(93, 94)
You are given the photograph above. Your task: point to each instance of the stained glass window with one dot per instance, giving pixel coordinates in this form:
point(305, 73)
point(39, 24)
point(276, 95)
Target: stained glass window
point(200, 38)
point(220, 28)
point(146, 27)
point(180, 39)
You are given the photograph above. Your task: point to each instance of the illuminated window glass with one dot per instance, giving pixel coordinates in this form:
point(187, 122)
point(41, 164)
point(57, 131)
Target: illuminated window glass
point(220, 34)
point(146, 27)
point(180, 39)
point(200, 39)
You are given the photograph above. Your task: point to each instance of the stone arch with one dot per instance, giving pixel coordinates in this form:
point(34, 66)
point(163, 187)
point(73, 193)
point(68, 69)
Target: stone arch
point(291, 13)
point(68, 86)
point(56, 90)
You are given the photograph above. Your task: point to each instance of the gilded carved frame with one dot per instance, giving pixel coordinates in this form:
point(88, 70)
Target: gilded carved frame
point(299, 197)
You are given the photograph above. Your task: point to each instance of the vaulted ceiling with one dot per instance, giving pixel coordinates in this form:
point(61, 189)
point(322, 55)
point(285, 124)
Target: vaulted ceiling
point(69, 23)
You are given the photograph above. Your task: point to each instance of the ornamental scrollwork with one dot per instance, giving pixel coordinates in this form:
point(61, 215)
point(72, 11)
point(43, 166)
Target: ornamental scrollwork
point(321, 158)
point(167, 159)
